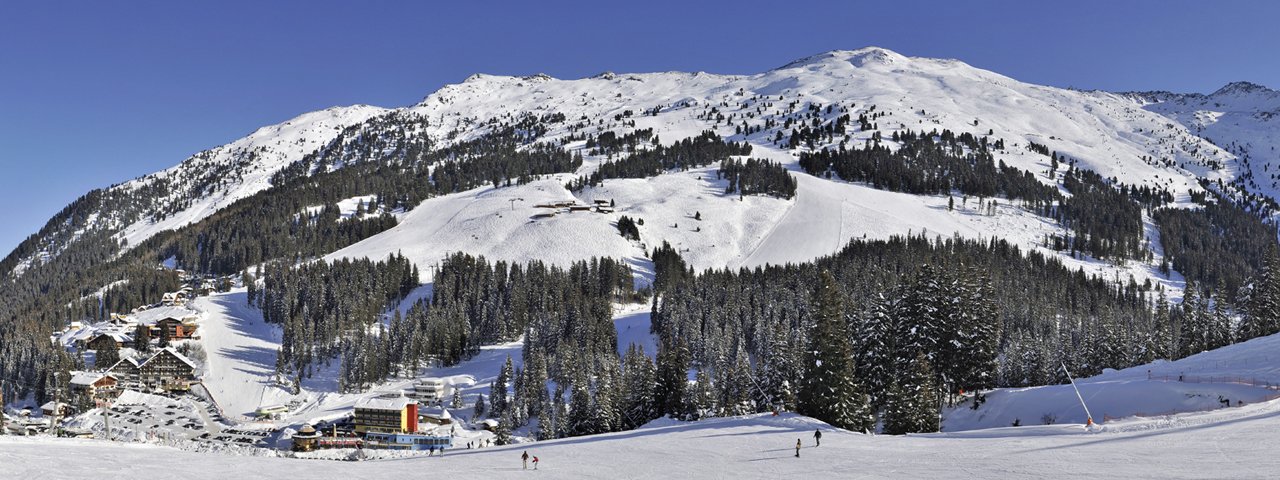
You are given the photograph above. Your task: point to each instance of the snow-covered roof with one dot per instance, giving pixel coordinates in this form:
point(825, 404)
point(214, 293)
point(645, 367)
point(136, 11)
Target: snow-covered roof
point(175, 353)
point(429, 383)
point(87, 378)
point(133, 362)
point(118, 336)
point(152, 315)
point(436, 412)
point(51, 405)
point(385, 402)
point(78, 333)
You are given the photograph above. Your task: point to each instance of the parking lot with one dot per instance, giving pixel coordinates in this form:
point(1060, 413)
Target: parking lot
point(176, 417)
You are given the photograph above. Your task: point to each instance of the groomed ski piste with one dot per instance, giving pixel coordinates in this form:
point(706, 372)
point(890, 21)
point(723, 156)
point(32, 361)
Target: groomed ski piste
point(1231, 443)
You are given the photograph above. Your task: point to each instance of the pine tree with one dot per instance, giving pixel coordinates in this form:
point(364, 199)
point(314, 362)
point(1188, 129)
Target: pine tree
point(913, 402)
point(1195, 324)
point(875, 345)
point(701, 401)
point(778, 371)
point(251, 285)
point(673, 378)
point(1261, 300)
point(502, 432)
point(1160, 343)
point(1220, 333)
point(830, 391)
point(639, 382)
point(581, 420)
point(106, 357)
point(978, 331)
point(498, 400)
point(142, 338)
point(546, 424)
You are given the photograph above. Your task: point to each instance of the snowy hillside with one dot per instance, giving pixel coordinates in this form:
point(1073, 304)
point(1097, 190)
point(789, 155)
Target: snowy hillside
point(1241, 118)
point(203, 184)
point(1246, 372)
point(1108, 133)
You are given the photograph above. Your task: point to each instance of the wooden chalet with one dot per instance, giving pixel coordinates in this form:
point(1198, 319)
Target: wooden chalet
point(94, 384)
point(108, 341)
point(173, 329)
point(60, 409)
point(436, 414)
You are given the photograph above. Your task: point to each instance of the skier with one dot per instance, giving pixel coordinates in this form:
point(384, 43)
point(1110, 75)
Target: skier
point(797, 448)
point(817, 437)
point(524, 459)
point(535, 462)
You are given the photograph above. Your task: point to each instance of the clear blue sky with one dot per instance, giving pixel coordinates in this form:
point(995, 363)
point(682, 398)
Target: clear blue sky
point(95, 93)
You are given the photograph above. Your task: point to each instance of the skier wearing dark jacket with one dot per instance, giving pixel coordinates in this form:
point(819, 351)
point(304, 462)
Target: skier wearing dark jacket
point(797, 448)
point(817, 438)
point(524, 459)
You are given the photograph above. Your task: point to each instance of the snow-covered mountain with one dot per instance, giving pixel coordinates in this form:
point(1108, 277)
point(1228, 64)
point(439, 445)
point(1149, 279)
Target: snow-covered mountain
point(1242, 118)
point(1165, 140)
point(1171, 142)
point(194, 189)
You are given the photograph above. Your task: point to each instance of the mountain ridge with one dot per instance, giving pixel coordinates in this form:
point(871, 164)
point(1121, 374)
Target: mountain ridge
point(241, 168)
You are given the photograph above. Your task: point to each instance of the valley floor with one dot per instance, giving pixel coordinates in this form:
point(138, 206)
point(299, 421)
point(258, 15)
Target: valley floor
point(1239, 444)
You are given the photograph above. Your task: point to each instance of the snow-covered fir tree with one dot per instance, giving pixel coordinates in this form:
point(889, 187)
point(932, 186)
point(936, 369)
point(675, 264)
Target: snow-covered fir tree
point(830, 391)
point(912, 403)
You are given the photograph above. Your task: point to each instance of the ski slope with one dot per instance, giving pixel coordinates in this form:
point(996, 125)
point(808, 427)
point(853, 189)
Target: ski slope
point(759, 446)
point(1247, 372)
point(733, 232)
point(241, 353)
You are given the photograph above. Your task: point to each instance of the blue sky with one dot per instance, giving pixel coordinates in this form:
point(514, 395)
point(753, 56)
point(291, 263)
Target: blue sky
point(95, 93)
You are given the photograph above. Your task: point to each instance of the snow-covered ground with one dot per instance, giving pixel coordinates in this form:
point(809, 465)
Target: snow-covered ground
point(265, 151)
point(733, 232)
point(241, 355)
point(1241, 117)
point(1247, 372)
point(1203, 445)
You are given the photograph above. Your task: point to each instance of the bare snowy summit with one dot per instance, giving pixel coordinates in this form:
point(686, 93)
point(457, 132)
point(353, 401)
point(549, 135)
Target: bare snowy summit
point(1243, 88)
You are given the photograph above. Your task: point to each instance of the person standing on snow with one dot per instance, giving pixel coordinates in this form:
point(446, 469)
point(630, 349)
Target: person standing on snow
point(797, 448)
point(535, 462)
point(817, 437)
point(524, 459)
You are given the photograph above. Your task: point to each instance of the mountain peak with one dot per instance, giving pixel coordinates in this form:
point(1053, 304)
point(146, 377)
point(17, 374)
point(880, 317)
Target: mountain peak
point(1241, 88)
point(861, 57)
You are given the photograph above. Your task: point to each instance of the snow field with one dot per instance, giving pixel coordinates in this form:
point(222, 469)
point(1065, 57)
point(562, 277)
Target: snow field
point(758, 446)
